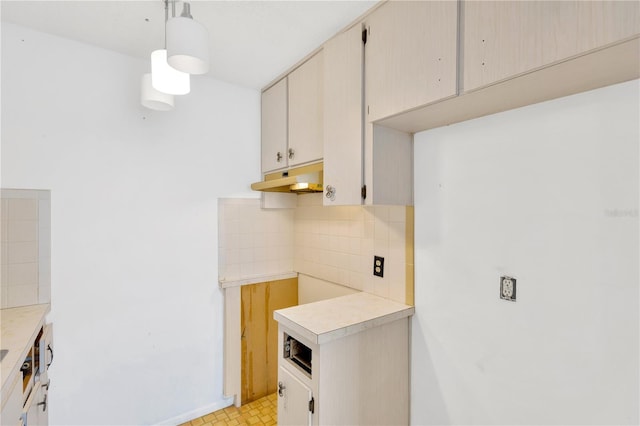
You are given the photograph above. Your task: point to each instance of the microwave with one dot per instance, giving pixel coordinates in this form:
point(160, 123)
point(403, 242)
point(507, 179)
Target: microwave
point(297, 353)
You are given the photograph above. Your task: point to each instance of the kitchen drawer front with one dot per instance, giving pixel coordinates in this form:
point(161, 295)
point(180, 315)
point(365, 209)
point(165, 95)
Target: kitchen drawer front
point(46, 353)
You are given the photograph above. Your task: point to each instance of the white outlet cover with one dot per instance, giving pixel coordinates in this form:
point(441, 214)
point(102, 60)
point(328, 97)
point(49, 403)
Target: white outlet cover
point(508, 288)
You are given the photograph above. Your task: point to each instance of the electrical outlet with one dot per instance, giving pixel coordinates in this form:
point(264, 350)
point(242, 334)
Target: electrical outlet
point(508, 288)
point(378, 266)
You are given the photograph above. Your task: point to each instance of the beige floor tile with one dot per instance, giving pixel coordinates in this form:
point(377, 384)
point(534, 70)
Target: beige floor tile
point(261, 412)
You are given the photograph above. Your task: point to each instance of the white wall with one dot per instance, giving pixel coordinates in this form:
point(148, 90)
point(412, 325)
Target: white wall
point(549, 195)
point(135, 302)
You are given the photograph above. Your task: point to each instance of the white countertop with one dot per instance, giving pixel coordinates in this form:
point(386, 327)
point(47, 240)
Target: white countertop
point(255, 279)
point(330, 319)
point(20, 327)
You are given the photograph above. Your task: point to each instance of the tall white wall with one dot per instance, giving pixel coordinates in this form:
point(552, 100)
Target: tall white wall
point(547, 194)
point(135, 302)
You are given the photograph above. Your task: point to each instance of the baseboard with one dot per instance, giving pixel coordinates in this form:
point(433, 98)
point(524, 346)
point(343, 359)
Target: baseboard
point(202, 411)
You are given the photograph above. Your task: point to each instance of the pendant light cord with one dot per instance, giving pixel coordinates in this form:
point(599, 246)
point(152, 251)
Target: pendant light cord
point(166, 18)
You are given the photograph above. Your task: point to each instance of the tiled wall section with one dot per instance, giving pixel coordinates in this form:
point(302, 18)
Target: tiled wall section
point(25, 236)
point(253, 241)
point(337, 244)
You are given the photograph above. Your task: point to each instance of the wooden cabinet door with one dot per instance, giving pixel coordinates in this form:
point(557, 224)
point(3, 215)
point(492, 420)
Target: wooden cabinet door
point(274, 127)
point(293, 400)
point(259, 338)
point(306, 112)
point(505, 38)
point(410, 56)
point(343, 62)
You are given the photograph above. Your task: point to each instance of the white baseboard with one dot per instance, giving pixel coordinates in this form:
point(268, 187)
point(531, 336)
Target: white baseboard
point(194, 414)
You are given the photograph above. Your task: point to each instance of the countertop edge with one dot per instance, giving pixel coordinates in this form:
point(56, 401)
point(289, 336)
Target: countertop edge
point(403, 311)
point(224, 283)
point(359, 327)
point(8, 379)
point(295, 327)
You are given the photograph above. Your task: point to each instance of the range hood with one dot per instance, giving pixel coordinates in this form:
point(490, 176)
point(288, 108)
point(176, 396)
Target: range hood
point(299, 180)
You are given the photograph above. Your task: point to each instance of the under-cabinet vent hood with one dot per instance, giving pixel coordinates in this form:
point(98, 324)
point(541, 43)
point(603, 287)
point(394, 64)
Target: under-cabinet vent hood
point(298, 180)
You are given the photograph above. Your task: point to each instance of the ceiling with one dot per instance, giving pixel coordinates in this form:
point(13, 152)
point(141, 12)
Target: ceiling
point(251, 42)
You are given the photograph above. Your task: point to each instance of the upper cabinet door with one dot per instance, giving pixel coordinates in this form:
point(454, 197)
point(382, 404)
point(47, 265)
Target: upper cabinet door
point(410, 56)
point(505, 38)
point(306, 112)
point(274, 127)
point(343, 61)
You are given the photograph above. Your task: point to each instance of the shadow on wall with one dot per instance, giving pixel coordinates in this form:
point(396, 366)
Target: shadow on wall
point(432, 399)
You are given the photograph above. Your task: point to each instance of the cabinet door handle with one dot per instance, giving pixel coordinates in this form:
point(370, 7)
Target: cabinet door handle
point(281, 388)
point(292, 153)
point(44, 403)
point(279, 157)
point(50, 350)
point(46, 386)
point(331, 192)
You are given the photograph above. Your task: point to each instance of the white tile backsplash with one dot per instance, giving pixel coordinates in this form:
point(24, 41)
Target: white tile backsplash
point(22, 295)
point(253, 241)
point(23, 230)
point(22, 252)
point(335, 244)
point(26, 247)
point(22, 274)
point(23, 209)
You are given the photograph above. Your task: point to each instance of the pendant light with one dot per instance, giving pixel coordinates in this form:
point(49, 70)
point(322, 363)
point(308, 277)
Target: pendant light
point(165, 78)
point(158, 88)
point(153, 99)
point(187, 43)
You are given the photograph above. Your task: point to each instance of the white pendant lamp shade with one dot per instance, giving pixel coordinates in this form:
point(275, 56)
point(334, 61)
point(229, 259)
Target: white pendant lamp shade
point(153, 99)
point(166, 79)
point(187, 45)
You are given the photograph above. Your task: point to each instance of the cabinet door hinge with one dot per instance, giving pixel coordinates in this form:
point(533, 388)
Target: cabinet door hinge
point(363, 192)
point(364, 36)
point(312, 405)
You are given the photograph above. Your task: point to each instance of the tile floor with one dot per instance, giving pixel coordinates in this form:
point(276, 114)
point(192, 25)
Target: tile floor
point(261, 412)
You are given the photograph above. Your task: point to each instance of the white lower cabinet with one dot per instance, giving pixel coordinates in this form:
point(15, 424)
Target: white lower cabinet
point(359, 379)
point(294, 398)
point(12, 404)
point(36, 411)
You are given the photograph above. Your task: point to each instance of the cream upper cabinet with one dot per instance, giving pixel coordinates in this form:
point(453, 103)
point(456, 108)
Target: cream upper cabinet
point(274, 127)
point(410, 56)
point(306, 112)
point(292, 117)
point(343, 60)
point(363, 164)
point(503, 39)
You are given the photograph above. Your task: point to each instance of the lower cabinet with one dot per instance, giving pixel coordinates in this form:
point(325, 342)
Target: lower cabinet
point(26, 400)
point(36, 410)
point(359, 379)
point(36, 407)
point(294, 398)
point(12, 404)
